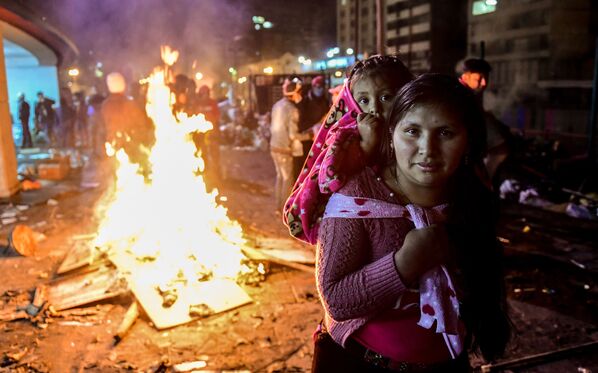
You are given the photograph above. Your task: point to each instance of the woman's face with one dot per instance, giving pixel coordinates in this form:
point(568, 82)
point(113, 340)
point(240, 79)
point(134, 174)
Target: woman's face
point(374, 95)
point(429, 143)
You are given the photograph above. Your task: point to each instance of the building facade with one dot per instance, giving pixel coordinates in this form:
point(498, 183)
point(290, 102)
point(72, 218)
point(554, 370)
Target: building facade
point(430, 35)
point(356, 25)
point(541, 53)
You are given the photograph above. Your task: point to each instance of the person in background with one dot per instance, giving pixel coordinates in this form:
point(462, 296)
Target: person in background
point(96, 124)
point(81, 119)
point(24, 113)
point(45, 118)
point(285, 139)
point(127, 126)
point(208, 106)
point(475, 74)
point(312, 109)
point(67, 119)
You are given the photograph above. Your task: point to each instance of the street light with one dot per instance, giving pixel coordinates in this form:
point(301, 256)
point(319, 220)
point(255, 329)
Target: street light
point(350, 51)
point(198, 76)
point(73, 72)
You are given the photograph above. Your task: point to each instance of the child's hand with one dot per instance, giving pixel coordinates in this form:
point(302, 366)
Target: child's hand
point(368, 126)
point(422, 250)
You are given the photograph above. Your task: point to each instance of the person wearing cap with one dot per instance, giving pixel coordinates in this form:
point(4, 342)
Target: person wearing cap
point(475, 74)
point(127, 126)
point(285, 140)
point(312, 110)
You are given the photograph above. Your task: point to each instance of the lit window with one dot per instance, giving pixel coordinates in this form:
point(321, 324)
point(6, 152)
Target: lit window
point(483, 7)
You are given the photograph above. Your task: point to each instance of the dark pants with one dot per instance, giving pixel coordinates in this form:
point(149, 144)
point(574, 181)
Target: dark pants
point(330, 357)
point(27, 141)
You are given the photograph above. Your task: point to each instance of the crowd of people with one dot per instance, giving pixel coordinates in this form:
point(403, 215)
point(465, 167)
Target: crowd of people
point(70, 124)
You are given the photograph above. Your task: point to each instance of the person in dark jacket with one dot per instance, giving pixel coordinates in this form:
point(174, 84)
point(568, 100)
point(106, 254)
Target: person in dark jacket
point(45, 117)
point(127, 126)
point(312, 110)
point(24, 113)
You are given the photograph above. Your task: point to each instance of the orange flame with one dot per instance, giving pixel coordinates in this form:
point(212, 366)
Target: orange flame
point(171, 225)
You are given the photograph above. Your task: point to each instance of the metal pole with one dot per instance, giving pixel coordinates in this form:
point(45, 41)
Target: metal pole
point(592, 120)
point(482, 49)
point(379, 27)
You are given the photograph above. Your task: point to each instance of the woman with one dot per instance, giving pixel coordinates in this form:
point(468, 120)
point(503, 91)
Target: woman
point(370, 259)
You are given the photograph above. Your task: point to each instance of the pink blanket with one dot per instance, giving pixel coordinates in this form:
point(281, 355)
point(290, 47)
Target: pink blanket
point(334, 156)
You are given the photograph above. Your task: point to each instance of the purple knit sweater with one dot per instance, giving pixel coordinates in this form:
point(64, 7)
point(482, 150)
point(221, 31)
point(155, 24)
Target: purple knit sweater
point(356, 274)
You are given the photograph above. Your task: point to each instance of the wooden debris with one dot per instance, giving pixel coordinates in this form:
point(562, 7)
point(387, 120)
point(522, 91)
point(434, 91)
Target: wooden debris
point(218, 295)
point(86, 288)
point(79, 256)
point(259, 255)
point(130, 316)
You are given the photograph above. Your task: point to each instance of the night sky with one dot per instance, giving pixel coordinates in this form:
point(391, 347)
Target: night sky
point(127, 34)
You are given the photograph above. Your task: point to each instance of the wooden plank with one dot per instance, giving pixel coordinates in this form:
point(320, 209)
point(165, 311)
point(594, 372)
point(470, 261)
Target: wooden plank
point(80, 255)
point(217, 295)
point(255, 254)
point(86, 288)
point(293, 255)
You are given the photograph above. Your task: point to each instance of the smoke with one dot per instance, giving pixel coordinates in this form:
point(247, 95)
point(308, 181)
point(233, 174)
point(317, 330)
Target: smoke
point(126, 35)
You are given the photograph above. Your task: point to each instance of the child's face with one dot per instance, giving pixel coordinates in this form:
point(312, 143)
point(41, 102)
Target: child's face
point(429, 143)
point(374, 95)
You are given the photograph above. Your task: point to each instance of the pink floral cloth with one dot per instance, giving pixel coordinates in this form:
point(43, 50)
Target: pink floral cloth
point(334, 156)
point(438, 298)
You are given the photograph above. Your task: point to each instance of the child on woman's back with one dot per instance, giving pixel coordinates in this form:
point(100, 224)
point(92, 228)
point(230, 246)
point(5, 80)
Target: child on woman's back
point(348, 136)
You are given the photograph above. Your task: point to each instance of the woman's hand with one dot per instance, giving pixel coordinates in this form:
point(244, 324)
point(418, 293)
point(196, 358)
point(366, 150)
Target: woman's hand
point(422, 250)
point(368, 126)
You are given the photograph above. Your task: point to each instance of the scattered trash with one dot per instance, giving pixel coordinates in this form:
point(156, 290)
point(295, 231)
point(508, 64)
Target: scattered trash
point(509, 188)
point(22, 240)
point(84, 237)
point(52, 202)
point(189, 366)
point(30, 185)
point(14, 357)
point(90, 184)
point(9, 221)
point(582, 266)
point(577, 211)
point(532, 197)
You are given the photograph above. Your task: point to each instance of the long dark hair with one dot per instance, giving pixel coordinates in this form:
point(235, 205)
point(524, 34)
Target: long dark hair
point(473, 211)
point(388, 67)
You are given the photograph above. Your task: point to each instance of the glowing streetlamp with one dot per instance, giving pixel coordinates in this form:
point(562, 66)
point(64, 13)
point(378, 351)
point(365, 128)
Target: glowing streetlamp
point(73, 72)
